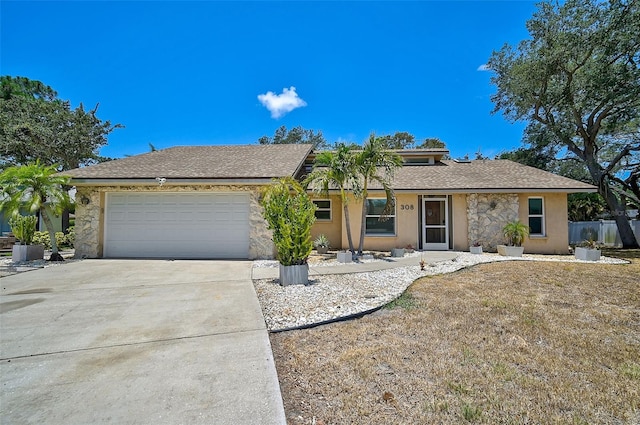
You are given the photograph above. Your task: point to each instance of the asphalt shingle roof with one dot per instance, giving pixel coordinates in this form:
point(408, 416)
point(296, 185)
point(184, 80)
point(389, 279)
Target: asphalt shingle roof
point(246, 162)
point(482, 175)
point(202, 162)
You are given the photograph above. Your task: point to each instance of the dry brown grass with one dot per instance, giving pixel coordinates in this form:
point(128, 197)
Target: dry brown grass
point(514, 342)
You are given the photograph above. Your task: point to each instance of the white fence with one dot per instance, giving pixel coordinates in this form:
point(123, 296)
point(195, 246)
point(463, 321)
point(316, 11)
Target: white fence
point(604, 231)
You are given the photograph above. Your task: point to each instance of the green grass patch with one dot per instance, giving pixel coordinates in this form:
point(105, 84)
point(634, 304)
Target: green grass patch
point(631, 370)
point(471, 412)
point(404, 301)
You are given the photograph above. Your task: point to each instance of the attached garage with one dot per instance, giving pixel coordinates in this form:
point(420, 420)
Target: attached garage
point(182, 202)
point(176, 225)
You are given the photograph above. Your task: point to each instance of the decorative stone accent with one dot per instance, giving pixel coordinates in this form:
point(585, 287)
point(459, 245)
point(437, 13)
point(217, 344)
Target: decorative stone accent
point(87, 225)
point(487, 213)
point(88, 238)
point(260, 237)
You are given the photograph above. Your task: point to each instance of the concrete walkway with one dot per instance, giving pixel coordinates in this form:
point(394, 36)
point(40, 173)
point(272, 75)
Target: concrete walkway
point(136, 342)
point(429, 257)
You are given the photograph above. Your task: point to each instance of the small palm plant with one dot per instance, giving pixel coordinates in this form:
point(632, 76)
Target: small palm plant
point(23, 227)
point(321, 244)
point(515, 232)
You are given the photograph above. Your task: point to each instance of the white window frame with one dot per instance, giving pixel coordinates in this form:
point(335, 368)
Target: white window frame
point(541, 216)
point(388, 217)
point(324, 209)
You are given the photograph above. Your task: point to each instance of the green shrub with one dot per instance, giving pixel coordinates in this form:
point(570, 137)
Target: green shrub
point(289, 213)
point(71, 236)
point(23, 227)
point(43, 238)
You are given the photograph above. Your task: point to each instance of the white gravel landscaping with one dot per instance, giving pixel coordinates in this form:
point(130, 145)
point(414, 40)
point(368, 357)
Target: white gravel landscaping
point(8, 267)
point(330, 297)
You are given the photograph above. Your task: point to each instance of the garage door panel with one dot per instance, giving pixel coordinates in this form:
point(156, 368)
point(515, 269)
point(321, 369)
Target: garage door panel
point(181, 225)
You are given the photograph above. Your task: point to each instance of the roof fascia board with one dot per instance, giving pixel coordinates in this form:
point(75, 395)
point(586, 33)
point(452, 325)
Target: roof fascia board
point(510, 190)
point(465, 191)
point(169, 182)
point(303, 161)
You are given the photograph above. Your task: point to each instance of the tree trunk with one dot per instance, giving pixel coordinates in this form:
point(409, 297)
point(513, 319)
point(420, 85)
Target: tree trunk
point(363, 225)
point(613, 203)
point(618, 210)
point(55, 256)
point(363, 217)
point(347, 223)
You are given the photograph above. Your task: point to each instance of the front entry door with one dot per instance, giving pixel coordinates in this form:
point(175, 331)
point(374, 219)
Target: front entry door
point(435, 219)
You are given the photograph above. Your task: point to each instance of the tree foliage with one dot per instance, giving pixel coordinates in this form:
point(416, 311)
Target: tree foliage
point(405, 140)
point(586, 206)
point(336, 170)
point(296, 135)
point(431, 143)
point(376, 163)
point(35, 188)
point(398, 140)
point(36, 125)
point(577, 82)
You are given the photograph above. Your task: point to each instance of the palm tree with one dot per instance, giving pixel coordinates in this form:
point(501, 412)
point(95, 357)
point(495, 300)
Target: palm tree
point(336, 170)
point(36, 188)
point(376, 164)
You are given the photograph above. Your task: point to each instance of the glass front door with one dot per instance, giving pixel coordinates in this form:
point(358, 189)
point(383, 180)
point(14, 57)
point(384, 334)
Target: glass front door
point(435, 229)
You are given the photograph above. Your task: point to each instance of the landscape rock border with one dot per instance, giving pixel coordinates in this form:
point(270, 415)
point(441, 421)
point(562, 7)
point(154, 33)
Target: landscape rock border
point(330, 298)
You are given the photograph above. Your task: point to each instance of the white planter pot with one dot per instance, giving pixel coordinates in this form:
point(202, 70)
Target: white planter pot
point(510, 251)
point(397, 252)
point(475, 249)
point(27, 253)
point(587, 254)
point(294, 275)
point(345, 257)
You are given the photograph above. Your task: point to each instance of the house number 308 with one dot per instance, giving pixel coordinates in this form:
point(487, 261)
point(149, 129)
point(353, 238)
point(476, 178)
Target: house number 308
point(406, 207)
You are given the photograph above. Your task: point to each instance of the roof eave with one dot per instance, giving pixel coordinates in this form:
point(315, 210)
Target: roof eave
point(499, 190)
point(169, 181)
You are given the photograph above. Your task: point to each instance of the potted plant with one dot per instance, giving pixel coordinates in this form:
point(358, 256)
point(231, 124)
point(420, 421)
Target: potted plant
point(476, 248)
point(514, 232)
point(24, 228)
point(321, 244)
point(397, 252)
point(588, 251)
point(289, 214)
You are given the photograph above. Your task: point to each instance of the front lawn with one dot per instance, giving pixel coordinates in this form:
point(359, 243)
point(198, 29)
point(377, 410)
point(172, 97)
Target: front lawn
point(512, 342)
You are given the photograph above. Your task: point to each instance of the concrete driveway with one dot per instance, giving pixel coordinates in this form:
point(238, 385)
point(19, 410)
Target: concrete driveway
point(136, 342)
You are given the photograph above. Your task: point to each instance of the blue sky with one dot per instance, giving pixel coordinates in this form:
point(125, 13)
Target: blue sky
point(191, 73)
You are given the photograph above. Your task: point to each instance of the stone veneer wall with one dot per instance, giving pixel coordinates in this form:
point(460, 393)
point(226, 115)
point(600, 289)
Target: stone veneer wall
point(87, 225)
point(487, 213)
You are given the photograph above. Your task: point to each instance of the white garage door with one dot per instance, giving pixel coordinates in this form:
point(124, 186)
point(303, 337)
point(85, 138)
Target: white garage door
point(177, 225)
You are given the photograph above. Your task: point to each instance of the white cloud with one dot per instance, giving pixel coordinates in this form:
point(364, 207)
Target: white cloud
point(280, 104)
point(484, 67)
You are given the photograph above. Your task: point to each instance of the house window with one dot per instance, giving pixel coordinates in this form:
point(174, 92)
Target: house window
point(536, 216)
point(323, 209)
point(376, 226)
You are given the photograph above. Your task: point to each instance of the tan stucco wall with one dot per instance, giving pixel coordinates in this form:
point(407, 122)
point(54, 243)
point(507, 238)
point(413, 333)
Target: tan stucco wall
point(556, 240)
point(406, 225)
point(331, 229)
point(489, 213)
point(90, 218)
point(460, 224)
